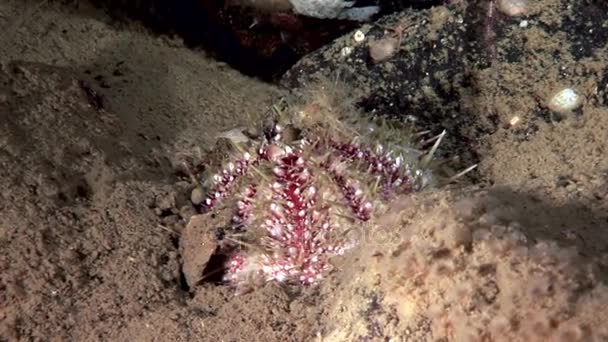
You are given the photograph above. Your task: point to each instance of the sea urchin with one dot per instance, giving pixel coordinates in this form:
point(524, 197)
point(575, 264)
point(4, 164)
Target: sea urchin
point(293, 203)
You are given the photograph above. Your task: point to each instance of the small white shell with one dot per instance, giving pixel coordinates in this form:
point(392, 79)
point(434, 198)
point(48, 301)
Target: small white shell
point(564, 100)
point(359, 36)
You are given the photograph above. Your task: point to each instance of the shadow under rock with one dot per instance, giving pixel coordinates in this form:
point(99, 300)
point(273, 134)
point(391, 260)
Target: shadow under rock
point(196, 22)
point(571, 224)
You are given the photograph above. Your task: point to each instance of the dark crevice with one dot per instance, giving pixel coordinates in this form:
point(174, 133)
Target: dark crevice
point(183, 284)
point(215, 269)
point(208, 25)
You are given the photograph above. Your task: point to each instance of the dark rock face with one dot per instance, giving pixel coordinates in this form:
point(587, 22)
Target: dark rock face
point(454, 62)
point(423, 80)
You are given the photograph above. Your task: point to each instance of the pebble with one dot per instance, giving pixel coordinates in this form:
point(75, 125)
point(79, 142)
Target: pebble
point(197, 196)
point(564, 100)
point(346, 51)
point(513, 8)
point(383, 49)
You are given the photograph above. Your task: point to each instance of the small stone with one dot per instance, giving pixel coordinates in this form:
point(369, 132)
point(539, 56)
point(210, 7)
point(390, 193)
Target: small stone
point(564, 101)
point(513, 8)
point(197, 196)
point(346, 51)
point(383, 49)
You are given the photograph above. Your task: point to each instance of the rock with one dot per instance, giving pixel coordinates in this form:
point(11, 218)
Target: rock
point(197, 245)
point(186, 212)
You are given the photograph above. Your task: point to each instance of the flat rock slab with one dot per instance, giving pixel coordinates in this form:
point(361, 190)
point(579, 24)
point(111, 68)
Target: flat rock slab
point(197, 244)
